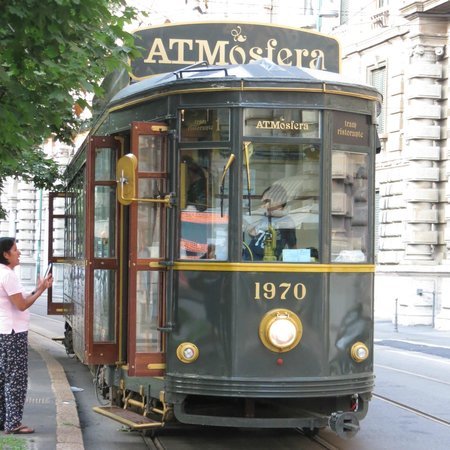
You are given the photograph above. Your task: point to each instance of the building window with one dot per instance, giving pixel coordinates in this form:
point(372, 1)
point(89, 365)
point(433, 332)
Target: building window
point(345, 11)
point(378, 80)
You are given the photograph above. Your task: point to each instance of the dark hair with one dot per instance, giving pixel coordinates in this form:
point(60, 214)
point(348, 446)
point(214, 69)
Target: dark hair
point(6, 244)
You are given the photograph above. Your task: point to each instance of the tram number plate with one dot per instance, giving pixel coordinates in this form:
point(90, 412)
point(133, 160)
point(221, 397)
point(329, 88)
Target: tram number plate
point(281, 291)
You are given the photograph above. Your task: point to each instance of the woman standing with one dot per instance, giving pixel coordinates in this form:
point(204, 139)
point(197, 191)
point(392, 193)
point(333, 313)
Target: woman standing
point(14, 321)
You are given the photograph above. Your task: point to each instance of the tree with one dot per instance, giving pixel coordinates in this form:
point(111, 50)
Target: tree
point(53, 53)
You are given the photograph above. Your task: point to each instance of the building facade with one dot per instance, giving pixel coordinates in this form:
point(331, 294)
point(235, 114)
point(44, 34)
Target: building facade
point(27, 218)
point(402, 48)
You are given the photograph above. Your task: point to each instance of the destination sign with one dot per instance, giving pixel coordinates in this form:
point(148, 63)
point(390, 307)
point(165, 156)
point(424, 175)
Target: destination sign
point(350, 129)
point(174, 46)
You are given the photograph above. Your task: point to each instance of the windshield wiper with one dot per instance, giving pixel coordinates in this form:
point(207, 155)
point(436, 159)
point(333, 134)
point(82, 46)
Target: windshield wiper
point(222, 181)
point(248, 150)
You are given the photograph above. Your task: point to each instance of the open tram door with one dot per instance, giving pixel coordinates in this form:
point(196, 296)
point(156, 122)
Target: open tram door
point(84, 251)
point(142, 188)
point(59, 217)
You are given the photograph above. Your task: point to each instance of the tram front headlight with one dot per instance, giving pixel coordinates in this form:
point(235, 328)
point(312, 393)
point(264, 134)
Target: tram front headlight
point(280, 330)
point(359, 352)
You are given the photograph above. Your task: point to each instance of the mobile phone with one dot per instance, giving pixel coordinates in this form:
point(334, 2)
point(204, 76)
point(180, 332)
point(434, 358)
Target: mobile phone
point(49, 270)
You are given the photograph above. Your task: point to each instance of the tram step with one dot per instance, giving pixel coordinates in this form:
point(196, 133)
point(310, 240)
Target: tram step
point(129, 418)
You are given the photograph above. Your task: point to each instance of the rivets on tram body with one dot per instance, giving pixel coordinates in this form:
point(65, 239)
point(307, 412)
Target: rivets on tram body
point(280, 330)
point(187, 352)
point(359, 352)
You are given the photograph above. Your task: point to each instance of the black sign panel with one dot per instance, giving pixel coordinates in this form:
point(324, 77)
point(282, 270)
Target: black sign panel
point(172, 47)
point(350, 129)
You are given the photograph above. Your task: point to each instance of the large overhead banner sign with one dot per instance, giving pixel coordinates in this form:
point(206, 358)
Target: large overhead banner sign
point(171, 47)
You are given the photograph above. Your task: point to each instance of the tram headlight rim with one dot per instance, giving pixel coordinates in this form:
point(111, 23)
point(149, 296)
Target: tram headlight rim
point(187, 346)
point(273, 317)
point(355, 352)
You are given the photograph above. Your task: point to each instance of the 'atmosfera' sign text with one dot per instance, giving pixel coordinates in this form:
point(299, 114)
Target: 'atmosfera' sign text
point(172, 47)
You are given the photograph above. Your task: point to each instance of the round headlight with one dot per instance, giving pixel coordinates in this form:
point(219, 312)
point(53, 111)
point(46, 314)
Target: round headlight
point(280, 330)
point(359, 352)
point(187, 352)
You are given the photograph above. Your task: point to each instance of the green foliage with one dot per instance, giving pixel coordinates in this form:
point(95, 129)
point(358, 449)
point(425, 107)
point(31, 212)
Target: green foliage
point(53, 52)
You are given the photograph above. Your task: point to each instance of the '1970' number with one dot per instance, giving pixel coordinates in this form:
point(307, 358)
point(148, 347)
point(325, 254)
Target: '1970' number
point(270, 291)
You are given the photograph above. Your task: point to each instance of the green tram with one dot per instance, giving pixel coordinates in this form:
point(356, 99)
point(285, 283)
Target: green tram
point(218, 266)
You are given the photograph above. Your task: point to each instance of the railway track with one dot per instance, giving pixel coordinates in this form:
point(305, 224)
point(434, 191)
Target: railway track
point(322, 442)
point(415, 411)
point(225, 439)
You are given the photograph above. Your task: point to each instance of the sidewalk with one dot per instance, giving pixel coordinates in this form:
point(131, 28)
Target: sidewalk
point(50, 407)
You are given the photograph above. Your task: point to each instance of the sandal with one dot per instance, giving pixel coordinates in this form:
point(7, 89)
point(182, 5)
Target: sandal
point(21, 429)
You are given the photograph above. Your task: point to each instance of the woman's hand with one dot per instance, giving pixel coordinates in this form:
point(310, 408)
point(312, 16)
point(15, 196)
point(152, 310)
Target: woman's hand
point(44, 283)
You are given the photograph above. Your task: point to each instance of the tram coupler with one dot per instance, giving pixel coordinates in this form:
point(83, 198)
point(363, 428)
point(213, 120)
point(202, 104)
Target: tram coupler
point(344, 424)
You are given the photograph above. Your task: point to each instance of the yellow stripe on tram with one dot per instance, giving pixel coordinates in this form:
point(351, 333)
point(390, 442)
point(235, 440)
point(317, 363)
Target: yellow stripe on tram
point(264, 267)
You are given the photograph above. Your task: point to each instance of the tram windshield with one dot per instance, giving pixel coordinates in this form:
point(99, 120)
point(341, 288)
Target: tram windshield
point(280, 202)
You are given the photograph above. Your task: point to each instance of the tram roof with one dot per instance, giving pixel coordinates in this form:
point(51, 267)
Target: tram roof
point(260, 70)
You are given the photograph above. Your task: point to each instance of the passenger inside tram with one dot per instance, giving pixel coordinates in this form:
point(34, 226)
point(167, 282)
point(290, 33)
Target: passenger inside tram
point(196, 193)
point(284, 227)
point(274, 231)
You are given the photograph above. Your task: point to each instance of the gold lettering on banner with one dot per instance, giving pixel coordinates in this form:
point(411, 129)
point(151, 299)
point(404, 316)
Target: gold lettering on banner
point(284, 57)
point(157, 49)
point(318, 60)
point(180, 45)
point(282, 291)
point(216, 56)
point(222, 52)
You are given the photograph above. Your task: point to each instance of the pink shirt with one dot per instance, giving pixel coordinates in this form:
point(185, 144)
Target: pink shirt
point(11, 318)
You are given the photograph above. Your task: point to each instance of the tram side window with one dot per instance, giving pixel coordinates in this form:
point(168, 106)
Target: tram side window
point(104, 221)
point(105, 203)
point(148, 338)
point(204, 206)
point(149, 218)
point(349, 207)
point(280, 202)
point(103, 315)
point(72, 283)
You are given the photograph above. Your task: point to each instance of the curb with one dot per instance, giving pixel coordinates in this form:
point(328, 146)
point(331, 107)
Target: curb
point(68, 430)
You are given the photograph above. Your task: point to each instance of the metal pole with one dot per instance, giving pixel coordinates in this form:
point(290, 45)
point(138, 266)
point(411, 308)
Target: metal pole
point(396, 316)
point(39, 242)
point(434, 309)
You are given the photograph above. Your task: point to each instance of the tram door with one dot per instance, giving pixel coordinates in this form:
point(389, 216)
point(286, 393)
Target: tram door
point(102, 252)
point(84, 250)
point(146, 241)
